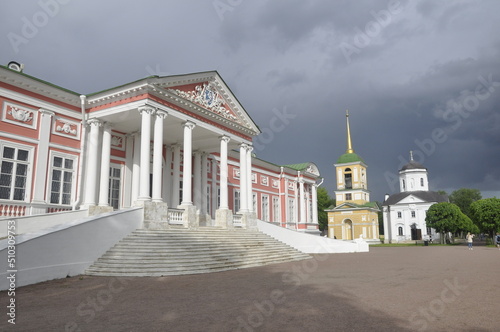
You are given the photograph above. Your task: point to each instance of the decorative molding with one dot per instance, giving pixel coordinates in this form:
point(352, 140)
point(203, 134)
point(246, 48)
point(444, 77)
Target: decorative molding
point(118, 142)
point(20, 115)
point(236, 173)
point(275, 183)
point(207, 96)
point(66, 128)
point(264, 180)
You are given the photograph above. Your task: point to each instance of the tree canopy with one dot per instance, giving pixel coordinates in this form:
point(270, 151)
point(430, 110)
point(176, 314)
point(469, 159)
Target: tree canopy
point(447, 217)
point(324, 202)
point(486, 214)
point(464, 197)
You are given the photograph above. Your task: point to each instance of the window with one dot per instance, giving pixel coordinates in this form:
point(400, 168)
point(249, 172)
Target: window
point(236, 201)
point(254, 202)
point(291, 210)
point(413, 214)
point(276, 209)
point(265, 208)
point(421, 182)
point(14, 173)
point(348, 178)
point(180, 192)
point(209, 205)
point(62, 180)
point(403, 184)
point(399, 214)
point(400, 231)
point(114, 187)
point(348, 197)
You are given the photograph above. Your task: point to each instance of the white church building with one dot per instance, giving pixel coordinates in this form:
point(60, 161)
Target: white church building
point(404, 213)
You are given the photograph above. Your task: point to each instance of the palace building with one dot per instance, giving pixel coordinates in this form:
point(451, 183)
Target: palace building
point(179, 146)
point(354, 216)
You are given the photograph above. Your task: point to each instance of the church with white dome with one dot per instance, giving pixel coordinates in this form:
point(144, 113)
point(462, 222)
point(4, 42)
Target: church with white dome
point(404, 213)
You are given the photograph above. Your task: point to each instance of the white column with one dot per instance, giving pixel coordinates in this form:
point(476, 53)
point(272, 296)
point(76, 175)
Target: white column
point(249, 179)
point(176, 176)
point(197, 180)
point(91, 172)
point(302, 200)
point(224, 140)
point(42, 156)
point(136, 168)
point(158, 155)
point(167, 176)
point(105, 160)
point(314, 192)
point(127, 176)
point(204, 183)
point(243, 179)
point(146, 112)
point(187, 162)
point(214, 187)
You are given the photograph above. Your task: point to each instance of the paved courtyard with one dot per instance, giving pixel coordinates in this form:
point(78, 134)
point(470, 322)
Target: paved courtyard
point(388, 289)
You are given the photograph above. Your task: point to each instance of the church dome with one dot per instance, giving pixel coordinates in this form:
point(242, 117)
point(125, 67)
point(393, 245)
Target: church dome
point(413, 165)
point(349, 158)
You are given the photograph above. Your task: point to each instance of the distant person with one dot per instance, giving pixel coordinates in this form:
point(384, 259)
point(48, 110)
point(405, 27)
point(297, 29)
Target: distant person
point(497, 240)
point(469, 238)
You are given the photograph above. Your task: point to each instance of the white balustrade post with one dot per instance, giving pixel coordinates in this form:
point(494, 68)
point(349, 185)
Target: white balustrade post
point(187, 169)
point(158, 155)
point(105, 161)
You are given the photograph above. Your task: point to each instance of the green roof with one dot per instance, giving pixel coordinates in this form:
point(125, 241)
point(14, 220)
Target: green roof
point(349, 158)
point(297, 167)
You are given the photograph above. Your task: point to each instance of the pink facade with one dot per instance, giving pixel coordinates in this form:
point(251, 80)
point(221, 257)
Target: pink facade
point(132, 145)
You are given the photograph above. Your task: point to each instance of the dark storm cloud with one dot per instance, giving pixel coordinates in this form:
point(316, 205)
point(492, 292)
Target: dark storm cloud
point(412, 73)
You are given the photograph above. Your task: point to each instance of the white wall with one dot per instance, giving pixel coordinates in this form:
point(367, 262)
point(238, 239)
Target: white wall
point(68, 249)
point(30, 224)
point(311, 244)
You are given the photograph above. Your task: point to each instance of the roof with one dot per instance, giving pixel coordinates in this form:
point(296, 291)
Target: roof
point(427, 196)
point(349, 158)
point(367, 205)
point(412, 165)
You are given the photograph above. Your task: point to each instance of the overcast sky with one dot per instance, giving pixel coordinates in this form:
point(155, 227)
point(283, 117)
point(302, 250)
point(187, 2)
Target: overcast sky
point(415, 75)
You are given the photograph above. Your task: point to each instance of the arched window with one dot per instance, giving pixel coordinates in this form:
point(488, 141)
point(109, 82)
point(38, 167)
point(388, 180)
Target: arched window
point(400, 230)
point(348, 178)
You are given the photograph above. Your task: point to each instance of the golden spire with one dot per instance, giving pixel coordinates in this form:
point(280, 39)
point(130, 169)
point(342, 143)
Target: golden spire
point(349, 143)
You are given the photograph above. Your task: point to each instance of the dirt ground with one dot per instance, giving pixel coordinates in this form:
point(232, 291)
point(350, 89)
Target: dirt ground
point(420, 288)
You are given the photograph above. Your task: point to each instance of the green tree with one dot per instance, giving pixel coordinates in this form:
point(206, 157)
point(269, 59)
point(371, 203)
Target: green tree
point(447, 217)
point(486, 215)
point(324, 202)
point(464, 197)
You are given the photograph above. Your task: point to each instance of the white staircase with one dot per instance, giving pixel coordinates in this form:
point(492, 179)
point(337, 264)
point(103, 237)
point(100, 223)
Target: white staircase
point(147, 252)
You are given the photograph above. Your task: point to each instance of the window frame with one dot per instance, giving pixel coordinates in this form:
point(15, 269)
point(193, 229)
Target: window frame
point(29, 171)
point(74, 158)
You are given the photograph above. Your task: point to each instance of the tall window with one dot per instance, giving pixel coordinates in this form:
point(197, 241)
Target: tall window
point(291, 210)
point(62, 180)
point(400, 230)
point(348, 178)
point(399, 214)
point(236, 201)
point(254, 202)
point(413, 214)
point(14, 173)
point(265, 208)
point(421, 182)
point(114, 187)
point(276, 209)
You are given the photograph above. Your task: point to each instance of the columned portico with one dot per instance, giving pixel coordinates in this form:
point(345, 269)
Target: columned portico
point(224, 140)
point(176, 176)
point(136, 168)
point(302, 201)
point(314, 194)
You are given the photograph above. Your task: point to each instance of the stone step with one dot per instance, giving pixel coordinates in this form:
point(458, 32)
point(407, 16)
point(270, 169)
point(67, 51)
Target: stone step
point(181, 251)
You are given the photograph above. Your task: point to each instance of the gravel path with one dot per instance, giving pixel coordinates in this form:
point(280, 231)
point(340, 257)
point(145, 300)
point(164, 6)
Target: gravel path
point(388, 289)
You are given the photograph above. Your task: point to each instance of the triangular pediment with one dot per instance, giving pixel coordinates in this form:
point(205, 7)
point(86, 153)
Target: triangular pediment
point(411, 199)
point(208, 95)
